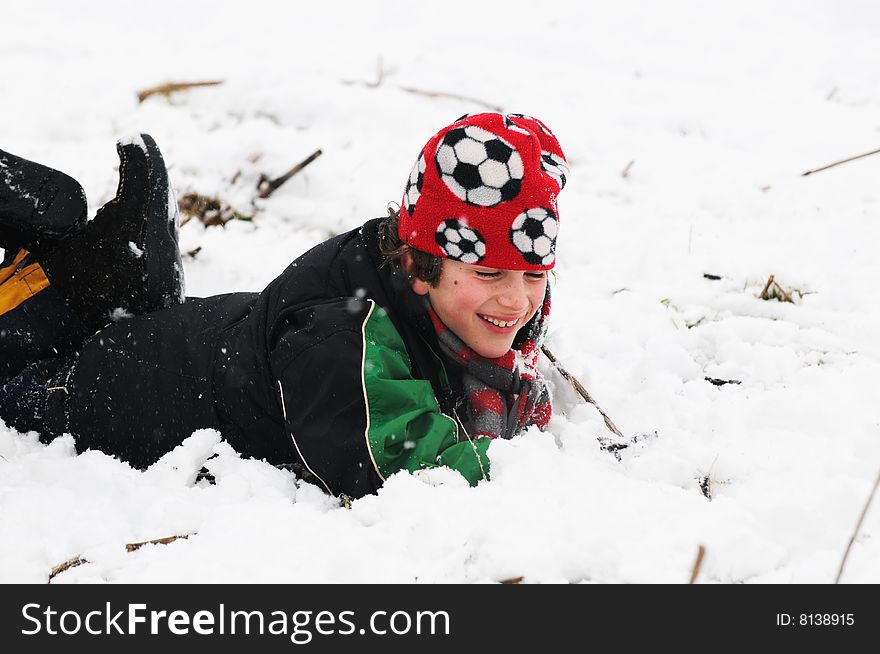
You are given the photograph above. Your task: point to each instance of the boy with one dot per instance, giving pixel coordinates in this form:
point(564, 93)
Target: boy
point(408, 343)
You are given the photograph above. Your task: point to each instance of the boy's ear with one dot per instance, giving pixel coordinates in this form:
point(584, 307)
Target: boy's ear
point(419, 286)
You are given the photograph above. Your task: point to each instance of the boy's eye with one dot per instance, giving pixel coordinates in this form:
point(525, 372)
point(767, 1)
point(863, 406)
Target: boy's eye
point(536, 275)
point(487, 274)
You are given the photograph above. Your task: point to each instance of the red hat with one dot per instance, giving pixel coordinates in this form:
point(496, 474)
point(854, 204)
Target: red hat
point(483, 191)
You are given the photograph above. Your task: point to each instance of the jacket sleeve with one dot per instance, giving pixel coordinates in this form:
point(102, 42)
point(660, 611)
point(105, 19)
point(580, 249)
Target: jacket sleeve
point(353, 410)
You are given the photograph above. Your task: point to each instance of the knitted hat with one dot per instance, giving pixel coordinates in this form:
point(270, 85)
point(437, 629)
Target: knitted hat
point(483, 191)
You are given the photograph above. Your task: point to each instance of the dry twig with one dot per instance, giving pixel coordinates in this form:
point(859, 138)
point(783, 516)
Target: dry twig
point(132, 547)
point(67, 565)
point(856, 530)
point(129, 547)
point(583, 392)
point(837, 163)
point(512, 581)
point(721, 382)
point(776, 293)
point(698, 563)
point(209, 210)
point(267, 187)
point(763, 294)
point(171, 87)
point(453, 96)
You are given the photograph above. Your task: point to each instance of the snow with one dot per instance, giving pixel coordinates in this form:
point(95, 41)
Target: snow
point(713, 110)
point(134, 139)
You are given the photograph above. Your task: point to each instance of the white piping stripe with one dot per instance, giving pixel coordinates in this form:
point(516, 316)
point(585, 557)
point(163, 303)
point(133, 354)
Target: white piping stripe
point(298, 451)
point(471, 441)
point(364, 387)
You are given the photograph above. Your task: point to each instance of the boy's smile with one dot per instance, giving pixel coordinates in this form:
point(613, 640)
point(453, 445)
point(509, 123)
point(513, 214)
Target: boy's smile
point(485, 307)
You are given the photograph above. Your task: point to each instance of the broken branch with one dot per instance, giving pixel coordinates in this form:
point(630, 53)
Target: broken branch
point(843, 161)
point(211, 211)
point(583, 392)
point(453, 96)
point(777, 293)
point(512, 581)
point(67, 565)
point(857, 529)
point(267, 187)
point(131, 547)
point(721, 382)
point(698, 563)
point(171, 87)
point(763, 294)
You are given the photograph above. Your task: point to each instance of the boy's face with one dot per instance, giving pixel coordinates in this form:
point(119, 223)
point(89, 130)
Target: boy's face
point(485, 307)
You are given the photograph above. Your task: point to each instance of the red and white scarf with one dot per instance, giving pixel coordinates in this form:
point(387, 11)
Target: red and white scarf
point(507, 394)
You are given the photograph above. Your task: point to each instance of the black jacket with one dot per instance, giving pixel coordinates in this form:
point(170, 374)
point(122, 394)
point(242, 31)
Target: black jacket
point(284, 375)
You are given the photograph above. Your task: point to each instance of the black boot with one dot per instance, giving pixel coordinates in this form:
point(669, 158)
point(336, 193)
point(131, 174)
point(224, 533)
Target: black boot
point(125, 261)
point(38, 205)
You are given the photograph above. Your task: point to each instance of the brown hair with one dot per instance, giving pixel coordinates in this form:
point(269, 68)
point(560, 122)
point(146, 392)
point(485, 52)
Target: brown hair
point(426, 267)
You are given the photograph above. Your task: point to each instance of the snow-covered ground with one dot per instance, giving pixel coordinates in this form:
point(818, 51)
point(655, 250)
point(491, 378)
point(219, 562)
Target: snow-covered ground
point(712, 111)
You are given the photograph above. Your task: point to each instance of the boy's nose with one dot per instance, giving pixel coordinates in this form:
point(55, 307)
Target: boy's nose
point(514, 297)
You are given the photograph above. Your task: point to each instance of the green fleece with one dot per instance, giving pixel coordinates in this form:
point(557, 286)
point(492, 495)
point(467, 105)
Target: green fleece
point(406, 430)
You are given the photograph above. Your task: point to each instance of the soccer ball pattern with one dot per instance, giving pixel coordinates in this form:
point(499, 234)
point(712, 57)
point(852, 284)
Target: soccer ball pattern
point(479, 167)
point(460, 242)
point(533, 233)
point(414, 184)
point(555, 166)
